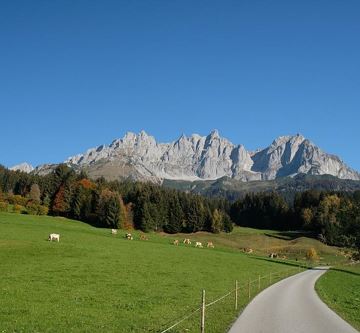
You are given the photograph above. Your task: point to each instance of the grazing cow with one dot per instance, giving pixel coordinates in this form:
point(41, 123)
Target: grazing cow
point(187, 241)
point(176, 242)
point(143, 237)
point(53, 237)
point(210, 244)
point(198, 244)
point(273, 255)
point(129, 236)
point(114, 231)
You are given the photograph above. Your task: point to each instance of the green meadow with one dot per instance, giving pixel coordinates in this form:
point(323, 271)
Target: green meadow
point(94, 281)
point(340, 290)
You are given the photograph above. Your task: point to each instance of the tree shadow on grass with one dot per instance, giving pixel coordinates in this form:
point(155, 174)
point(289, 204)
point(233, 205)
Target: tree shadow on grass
point(292, 264)
point(344, 271)
point(291, 235)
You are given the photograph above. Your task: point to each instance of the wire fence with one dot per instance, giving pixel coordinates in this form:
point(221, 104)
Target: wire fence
point(214, 315)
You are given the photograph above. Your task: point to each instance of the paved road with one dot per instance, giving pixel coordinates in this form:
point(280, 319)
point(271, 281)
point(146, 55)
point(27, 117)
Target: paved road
point(291, 306)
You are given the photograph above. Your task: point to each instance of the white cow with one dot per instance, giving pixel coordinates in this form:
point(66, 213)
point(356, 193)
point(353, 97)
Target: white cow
point(53, 237)
point(198, 244)
point(114, 231)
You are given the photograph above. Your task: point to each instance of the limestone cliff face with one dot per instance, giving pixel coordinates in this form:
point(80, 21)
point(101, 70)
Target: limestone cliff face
point(139, 156)
point(292, 155)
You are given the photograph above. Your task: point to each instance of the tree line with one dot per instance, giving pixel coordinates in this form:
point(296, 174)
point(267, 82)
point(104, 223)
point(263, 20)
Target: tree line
point(115, 204)
point(334, 217)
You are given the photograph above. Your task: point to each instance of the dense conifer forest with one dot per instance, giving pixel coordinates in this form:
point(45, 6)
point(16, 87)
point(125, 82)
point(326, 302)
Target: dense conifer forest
point(333, 217)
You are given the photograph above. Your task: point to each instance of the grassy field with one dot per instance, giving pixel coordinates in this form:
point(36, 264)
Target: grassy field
point(94, 281)
point(340, 289)
point(293, 245)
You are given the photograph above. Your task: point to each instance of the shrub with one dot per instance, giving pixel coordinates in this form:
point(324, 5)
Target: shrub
point(18, 208)
point(43, 210)
point(17, 200)
point(312, 255)
point(4, 206)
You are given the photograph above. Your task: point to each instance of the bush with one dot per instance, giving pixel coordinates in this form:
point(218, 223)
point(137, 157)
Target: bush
point(32, 208)
point(35, 208)
point(19, 209)
point(43, 210)
point(4, 206)
point(17, 200)
point(312, 255)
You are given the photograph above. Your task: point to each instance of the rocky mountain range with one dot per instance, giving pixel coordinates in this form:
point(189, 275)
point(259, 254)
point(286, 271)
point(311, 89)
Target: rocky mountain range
point(141, 157)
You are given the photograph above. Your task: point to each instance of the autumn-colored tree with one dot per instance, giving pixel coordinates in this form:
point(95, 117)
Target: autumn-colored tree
point(129, 224)
point(3, 206)
point(87, 184)
point(328, 209)
point(312, 255)
point(125, 216)
point(60, 205)
point(17, 200)
point(34, 193)
point(216, 221)
point(307, 216)
point(18, 208)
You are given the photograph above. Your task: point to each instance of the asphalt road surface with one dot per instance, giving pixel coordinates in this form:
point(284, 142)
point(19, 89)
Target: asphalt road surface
point(291, 305)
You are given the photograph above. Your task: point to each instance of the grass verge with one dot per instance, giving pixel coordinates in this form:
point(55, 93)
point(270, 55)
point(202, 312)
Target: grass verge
point(339, 288)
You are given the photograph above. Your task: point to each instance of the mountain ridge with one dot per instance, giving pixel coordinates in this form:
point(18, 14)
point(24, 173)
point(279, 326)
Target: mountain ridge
point(195, 157)
point(191, 158)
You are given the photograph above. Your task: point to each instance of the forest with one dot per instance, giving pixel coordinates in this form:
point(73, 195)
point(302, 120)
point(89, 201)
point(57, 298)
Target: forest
point(332, 217)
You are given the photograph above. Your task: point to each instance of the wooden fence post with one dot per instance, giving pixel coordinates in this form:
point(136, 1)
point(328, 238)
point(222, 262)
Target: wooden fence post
point(259, 285)
point(236, 294)
point(249, 289)
point(203, 312)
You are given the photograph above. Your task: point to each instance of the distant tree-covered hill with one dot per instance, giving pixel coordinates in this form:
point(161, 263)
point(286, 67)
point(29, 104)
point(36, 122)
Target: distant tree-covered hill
point(233, 189)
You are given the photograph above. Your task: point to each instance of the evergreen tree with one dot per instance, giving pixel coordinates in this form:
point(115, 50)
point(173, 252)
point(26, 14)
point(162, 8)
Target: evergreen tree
point(175, 216)
point(112, 212)
point(228, 225)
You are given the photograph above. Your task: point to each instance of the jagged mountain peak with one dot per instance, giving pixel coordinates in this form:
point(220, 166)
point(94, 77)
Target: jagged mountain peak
point(214, 134)
point(291, 139)
point(198, 157)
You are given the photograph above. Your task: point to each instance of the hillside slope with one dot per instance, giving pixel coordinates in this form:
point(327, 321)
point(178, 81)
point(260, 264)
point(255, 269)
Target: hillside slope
point(94, 281)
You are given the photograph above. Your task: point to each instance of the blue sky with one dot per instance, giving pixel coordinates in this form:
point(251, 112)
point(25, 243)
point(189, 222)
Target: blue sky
point(77, 74)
